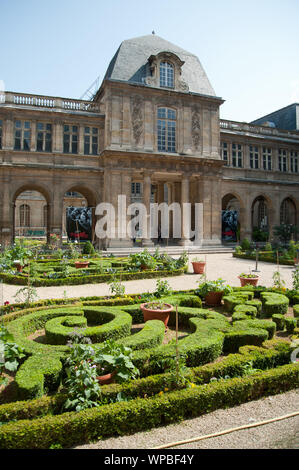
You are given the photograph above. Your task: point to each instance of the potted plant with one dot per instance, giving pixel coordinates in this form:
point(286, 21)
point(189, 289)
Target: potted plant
point(81, 264)
point(18, 265)
point(198, 266)
point(156, 310)
point(251, 279)
point(213, 291)
point(143, 260)
point(114, 363)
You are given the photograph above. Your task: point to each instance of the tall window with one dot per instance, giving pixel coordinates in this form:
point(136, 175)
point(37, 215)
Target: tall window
point(294, 162)
point(166, 75)
point(262, 215)
point(224, 153)
point(254, 156)
point(22, 135)
point(237, 155)
point(70, 139)
point(135, 189)
point(43, 137)
point(282, 160)
point(24, 215)
point(267, 158)
point(90, 141)
point(166, 130)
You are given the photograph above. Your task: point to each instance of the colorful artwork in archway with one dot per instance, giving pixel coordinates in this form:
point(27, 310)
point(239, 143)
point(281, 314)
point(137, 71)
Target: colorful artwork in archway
point(79, 223)
point(229, 225)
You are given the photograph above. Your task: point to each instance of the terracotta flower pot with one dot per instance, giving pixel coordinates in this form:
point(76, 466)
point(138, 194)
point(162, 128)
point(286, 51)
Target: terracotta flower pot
point(198, 267)
point(19, 268)
point(214, 298)
point(156, 314)
point(81, 264)
point(252, 281)
point(106, 379)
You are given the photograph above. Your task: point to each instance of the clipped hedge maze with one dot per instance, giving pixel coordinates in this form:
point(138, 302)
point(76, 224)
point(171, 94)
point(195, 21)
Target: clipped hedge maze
point(243, 336)
point(211, 334)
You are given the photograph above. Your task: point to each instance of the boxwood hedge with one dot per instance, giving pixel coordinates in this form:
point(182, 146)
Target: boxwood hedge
point(139, 414)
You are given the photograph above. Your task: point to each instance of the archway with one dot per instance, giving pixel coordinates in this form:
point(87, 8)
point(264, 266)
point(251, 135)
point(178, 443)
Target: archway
point(31, 214)
point(260, 219)
point(231, 208)
point(288, 212)
point(78, 214)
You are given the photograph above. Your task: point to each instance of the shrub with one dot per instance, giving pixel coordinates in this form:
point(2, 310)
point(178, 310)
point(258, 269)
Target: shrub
point(290, 324)
point(72, 428)
point(245, 244)
point(274, 303)
point(296, 310)
point(250, 310)
point(279, 320)
point(191, 301)
point(88, 248)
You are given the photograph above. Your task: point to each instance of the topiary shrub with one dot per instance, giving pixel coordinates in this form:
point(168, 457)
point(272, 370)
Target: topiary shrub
point(296, 310)
point(279, 320)
point(290, 324)
point(191, 301)
point(255, 303)
point(249, 310)
point(274, 303)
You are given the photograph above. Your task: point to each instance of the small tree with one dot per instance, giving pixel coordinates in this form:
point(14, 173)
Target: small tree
point(284, 232)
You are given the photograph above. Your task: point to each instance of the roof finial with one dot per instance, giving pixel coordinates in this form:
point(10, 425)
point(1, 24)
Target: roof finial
point(153, 32)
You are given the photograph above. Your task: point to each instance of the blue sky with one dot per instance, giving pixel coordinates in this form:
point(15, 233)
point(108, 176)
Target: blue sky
point(249, 49)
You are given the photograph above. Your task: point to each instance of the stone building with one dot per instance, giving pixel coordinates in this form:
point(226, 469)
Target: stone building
point(151, 132)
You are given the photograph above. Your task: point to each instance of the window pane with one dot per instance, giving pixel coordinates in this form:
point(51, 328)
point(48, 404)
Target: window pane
point(39, 145)
point(48, 146)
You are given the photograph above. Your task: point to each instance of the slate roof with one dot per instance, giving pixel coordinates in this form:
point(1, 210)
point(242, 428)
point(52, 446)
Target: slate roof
point(130, 63)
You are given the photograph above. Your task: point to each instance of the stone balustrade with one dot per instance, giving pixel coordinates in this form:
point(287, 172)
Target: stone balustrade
point(255, 129)
point(12, 99)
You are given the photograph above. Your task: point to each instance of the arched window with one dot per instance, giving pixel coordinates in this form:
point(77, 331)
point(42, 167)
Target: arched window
point(262, 215)
point(24, 215)
point(166, 130)
point(288, 212)
point(166, 75)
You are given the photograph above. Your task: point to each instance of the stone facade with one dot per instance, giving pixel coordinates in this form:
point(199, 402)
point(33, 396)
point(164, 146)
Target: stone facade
point(116, 143)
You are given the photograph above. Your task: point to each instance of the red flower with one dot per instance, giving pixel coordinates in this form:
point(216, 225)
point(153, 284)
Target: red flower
point(6, 303)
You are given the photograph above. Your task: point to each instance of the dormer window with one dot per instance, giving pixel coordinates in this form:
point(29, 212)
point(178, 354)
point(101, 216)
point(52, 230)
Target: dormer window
point(166, 75)
point(164, 70)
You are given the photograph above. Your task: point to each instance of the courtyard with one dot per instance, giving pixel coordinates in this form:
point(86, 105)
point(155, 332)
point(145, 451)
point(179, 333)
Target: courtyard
point(219, 265)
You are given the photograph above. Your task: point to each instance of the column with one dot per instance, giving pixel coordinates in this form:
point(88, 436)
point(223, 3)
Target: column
point(58, 137)
point(185, 212)
point(7, 215)
point(120, 185)
point(147, 201)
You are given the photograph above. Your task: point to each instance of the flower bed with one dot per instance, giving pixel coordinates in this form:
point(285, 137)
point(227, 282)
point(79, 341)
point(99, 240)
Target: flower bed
point(251, 362)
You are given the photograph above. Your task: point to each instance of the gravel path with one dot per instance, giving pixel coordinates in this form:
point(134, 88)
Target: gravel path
point(279, 435)
point(218, 265)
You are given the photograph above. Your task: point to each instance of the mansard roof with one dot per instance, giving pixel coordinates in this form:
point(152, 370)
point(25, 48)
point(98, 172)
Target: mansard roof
point(131, 63)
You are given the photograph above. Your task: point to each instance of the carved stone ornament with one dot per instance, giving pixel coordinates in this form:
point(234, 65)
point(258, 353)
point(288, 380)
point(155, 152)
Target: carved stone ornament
point(195, 130)
point(183, 85)
point(137, 117)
